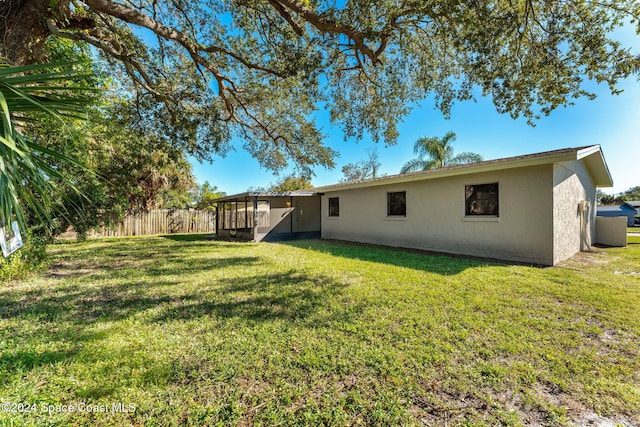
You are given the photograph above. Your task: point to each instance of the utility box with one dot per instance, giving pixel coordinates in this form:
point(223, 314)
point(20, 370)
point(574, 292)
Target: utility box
point(611, 231)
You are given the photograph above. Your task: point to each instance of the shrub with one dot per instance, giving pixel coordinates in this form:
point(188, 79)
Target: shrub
point(29, 258)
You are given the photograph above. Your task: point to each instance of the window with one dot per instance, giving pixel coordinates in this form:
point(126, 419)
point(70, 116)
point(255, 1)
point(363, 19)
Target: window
point(334, 206)
point(397, 203)
point(481, 199)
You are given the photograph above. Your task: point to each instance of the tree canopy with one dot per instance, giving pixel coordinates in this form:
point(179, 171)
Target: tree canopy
point(291, 183)
point(631, 194)
point(362, 170)
point(204, 72)
point(204, 196)
point(119, 167)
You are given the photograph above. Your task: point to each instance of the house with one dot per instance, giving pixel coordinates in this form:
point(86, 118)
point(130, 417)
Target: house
point(269, 216)
point(636, 205)
point(537, 208)
point(625, 209)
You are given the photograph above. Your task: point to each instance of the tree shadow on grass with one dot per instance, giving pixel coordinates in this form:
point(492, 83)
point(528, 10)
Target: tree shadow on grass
point(64, 317)
point(64, 341)
point(139, 248)
point(292, 296)
point(82, 305)
point(12, 361)
point(428, 261)
point(142, 282)
point(190, 237)
point(150, 264)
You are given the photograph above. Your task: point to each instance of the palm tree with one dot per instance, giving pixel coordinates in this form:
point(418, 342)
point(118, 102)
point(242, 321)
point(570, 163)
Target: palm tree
point(436, 153)
point(25, 166)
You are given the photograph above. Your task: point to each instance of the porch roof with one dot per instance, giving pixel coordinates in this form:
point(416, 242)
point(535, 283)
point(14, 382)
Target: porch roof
point(254, 194)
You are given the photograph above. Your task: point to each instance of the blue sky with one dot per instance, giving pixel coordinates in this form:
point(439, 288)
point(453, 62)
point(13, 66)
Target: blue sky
point(613, 121)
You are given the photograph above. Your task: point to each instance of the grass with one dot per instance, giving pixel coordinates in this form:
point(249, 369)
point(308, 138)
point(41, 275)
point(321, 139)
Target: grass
point(185, 331)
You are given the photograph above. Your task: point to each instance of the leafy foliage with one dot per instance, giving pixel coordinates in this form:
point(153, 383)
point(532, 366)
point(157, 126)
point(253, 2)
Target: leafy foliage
point(609, 199)
point(362, 170)
point(632, 193)
point(26, 170)
point(130, 171)
point(436, 153)
point(205, 194)
point(30, 258)
point(605, 199)
point(291, 183)
point(125, 167)
point(258, 69)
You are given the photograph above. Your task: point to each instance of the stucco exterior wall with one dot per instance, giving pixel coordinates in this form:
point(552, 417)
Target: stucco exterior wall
point(573, 229)
point(292, 215)
point(436, 218)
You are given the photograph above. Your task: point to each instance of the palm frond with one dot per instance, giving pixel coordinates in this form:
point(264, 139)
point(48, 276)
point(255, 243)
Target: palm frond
point(435, 153)
point(25, 166)
point(465, 158)
point(415, 165)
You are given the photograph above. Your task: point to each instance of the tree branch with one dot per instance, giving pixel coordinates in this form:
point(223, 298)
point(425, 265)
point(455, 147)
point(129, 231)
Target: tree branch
point(129, 63)
point(135, 17)
point(332, 27)
point(287, 16)
point(132, 16)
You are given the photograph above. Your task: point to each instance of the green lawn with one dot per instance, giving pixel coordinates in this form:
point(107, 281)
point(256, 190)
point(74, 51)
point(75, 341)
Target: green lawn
point(186, 331)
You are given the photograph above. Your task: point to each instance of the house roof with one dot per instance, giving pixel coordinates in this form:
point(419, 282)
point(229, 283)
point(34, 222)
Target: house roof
point(253, 194)
point(592, 156)
point(634, 203)
point(616, 208)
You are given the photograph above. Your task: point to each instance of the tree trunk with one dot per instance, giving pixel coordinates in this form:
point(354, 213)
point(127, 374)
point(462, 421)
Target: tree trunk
point(23, 28)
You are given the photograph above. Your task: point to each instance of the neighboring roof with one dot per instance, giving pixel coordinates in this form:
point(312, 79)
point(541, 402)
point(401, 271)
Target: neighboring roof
point(634, 203)
point(616, 208)
point(591, 155)
point(253, 194)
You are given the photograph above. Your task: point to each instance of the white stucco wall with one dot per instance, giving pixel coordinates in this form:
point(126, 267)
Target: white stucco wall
point(572, 183)
point(436, 216)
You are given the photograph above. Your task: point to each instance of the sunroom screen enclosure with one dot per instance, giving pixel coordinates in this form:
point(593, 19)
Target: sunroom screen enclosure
point(244, 215)
point(260, 216)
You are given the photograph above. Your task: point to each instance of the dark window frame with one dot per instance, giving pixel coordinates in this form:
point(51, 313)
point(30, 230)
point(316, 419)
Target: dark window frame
point(335, 212)
point(482, 200)
point(396, 204)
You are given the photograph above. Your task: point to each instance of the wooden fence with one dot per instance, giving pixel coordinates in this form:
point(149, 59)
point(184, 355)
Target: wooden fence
point(162, 221)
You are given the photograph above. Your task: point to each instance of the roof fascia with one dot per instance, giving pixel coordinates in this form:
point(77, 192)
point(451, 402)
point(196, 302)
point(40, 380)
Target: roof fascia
point(597, 165)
